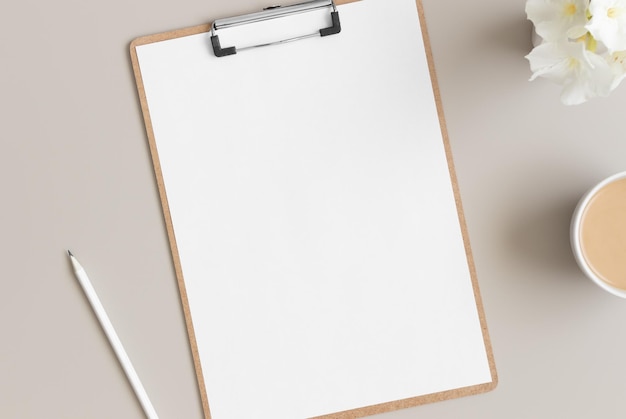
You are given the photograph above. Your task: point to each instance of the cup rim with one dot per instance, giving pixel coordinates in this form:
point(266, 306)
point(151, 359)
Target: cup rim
point(575, 235)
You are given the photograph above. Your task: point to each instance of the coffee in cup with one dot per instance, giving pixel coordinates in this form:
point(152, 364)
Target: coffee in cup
point(598, 234)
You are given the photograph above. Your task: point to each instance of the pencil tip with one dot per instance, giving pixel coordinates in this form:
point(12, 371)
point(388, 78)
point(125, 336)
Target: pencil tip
point(70, 254)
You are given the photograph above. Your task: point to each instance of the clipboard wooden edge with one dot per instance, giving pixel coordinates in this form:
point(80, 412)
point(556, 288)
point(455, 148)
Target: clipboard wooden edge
point(457, 198)
point(163, 195)
point(361, 411)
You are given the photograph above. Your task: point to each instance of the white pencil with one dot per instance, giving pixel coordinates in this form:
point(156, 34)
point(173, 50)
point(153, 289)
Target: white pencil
point(81, 275)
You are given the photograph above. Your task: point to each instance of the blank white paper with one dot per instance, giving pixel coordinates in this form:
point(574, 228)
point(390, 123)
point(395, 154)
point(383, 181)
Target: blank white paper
point(315, 219)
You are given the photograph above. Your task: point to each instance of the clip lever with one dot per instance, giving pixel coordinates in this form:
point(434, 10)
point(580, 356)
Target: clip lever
point(273, 12)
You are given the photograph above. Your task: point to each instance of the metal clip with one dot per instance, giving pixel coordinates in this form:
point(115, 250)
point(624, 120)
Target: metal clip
point(273, 12)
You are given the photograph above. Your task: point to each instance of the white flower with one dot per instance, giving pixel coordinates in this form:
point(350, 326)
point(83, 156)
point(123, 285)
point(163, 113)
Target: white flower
point(582, 73)
point(558, 19)
point(617, 61)
point(608, 23)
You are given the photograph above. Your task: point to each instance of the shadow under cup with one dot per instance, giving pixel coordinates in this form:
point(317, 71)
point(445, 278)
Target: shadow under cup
point(598, 234)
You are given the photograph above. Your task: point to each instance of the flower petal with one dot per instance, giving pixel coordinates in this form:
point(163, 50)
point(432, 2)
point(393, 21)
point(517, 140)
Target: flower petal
point(582, 73)
point(553, 18)
point(608, 23)
point(617, 61)
point(574, 93)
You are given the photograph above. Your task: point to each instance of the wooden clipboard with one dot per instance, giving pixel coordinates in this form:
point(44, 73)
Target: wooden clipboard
point(353, 411)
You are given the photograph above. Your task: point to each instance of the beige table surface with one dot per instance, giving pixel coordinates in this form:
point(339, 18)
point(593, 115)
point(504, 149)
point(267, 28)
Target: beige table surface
point(75, 172)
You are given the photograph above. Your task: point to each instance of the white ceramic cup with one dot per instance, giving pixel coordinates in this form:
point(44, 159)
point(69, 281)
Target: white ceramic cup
point(575, 236)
